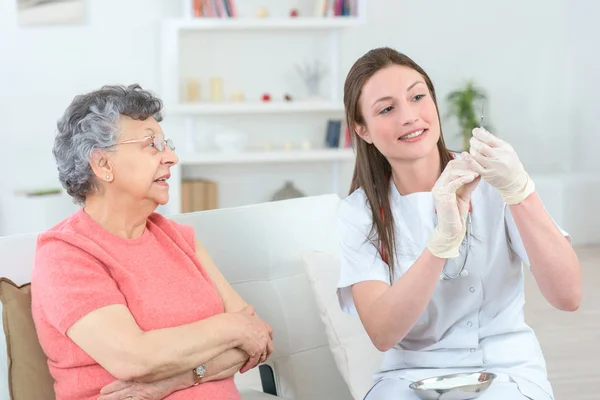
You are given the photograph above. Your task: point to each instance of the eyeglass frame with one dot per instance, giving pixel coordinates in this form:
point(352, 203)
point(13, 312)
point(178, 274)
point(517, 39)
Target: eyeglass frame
point(155, 141)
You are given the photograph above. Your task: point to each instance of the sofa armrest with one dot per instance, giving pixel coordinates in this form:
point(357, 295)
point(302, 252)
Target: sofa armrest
point(267, 379)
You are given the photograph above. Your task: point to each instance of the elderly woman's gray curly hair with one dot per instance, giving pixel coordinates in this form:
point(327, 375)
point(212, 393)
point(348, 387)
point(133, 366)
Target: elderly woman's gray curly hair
point(92, 122)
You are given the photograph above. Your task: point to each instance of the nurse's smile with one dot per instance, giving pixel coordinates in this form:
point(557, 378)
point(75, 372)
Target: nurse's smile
point(413, 136)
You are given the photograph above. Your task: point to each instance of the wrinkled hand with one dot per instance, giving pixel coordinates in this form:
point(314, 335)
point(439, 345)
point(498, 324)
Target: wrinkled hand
point(452, 195)
point(497, 162)
point(258, 338)
point(119, 390)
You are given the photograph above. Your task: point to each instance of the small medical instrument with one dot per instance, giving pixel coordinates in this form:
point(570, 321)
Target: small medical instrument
point(463, 272)
point(468, 236)
point(481, 121)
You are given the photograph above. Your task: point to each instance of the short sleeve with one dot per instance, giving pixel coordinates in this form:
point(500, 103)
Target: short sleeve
point(359, 259)
point(68, 283)
point(515, 240)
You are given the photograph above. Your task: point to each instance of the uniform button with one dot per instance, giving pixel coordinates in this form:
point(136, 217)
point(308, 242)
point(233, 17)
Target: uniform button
point(472, 289)
point(469, 324)
point(472, 350)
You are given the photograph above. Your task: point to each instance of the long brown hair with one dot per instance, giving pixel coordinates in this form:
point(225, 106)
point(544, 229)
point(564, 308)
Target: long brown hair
point(372, 170)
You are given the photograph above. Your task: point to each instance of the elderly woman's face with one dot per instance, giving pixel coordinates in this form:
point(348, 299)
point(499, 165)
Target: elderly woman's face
point(141, 171)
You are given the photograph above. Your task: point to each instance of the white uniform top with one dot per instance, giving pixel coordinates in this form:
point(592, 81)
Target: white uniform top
point(472, 322)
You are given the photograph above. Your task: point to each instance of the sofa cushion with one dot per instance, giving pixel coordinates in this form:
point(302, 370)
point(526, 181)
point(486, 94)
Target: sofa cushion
point(356, 357)
point(259, 248)
point(28, 373)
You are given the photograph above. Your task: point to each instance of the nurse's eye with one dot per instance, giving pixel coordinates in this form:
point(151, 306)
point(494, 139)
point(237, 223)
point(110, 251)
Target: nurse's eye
point(386, 110)
point(418, 97)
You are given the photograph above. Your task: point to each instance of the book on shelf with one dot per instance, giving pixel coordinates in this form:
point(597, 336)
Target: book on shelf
point(337, 134)
point(198, 195)
point(337, 8)
point(214, 9)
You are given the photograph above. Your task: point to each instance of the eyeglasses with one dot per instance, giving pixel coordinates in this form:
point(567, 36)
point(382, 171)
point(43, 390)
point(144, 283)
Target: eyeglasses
point(159, 144)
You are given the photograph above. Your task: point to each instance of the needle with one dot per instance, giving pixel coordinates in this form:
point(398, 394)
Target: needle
point(481, 123)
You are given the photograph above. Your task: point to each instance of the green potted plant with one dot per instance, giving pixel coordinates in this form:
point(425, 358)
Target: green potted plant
point(465, 104)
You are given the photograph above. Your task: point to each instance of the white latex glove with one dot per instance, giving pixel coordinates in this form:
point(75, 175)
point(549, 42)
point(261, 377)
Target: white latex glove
point(498, 163)
point(451, 196)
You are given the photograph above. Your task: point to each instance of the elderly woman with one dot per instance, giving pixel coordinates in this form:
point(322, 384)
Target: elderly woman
point(127, 303)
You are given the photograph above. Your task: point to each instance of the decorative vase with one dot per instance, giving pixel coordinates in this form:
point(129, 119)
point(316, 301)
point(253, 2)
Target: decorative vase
point(288, 191)
point(216, 89)
point(193, 91)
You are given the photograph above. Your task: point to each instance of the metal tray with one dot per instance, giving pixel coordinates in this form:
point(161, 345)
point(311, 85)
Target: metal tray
point(463, 386)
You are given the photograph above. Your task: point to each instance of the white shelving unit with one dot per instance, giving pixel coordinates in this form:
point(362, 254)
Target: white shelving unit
point(248, 107)
point(271, 157)
point(170, 36)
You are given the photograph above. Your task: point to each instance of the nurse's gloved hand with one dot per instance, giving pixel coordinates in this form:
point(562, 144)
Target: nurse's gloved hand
point(451, 196)
point(497, 162)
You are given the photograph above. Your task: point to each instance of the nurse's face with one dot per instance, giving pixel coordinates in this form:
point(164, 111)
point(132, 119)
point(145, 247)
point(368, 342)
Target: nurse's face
point(400, 116)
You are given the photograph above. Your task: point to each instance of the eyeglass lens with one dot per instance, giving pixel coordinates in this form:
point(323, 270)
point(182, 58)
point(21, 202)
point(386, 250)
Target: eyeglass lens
point(159, 144)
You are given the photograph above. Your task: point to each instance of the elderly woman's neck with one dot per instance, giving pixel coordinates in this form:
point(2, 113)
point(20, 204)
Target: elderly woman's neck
point(119, 219)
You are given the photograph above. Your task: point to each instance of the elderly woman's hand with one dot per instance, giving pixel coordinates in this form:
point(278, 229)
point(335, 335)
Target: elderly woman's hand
point(119, 390)
point(257, 341)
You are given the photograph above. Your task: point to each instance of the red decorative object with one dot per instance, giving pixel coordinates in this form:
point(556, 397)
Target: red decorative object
point(266, 97)
point(294, 13)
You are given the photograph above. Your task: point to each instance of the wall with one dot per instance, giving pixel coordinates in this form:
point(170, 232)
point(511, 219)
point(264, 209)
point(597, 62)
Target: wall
point(584, 132)
point(42, 69)
point(513, 49)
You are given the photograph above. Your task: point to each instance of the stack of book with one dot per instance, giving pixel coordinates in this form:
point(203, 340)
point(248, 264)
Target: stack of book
point(337, 8)
point(214, 8)
point(198, 195)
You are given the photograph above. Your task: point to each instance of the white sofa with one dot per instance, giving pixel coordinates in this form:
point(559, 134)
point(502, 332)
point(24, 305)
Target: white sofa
point(260, 250)
point(282, 257)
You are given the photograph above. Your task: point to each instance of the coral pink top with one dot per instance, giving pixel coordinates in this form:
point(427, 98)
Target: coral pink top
point(80, 267)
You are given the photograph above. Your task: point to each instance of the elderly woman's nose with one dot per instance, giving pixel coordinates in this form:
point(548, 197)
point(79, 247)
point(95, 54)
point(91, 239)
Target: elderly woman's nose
point(169, 157)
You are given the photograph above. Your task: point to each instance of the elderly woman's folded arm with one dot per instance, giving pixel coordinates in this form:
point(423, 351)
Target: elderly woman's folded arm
point(225, 365)
point(111, 336)
point(221, 367)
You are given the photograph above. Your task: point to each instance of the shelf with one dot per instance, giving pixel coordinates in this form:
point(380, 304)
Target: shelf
point(208, 24)
point(255, 107)
point(267, 157)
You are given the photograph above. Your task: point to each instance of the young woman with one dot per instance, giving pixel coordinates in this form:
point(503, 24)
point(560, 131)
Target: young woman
point(432, 242)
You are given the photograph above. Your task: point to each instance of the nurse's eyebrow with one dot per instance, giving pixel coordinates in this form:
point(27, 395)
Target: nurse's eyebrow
point(386, 98)
point(414, 84)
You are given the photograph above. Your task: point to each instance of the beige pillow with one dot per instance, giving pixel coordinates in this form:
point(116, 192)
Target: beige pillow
point(28, 374)
point(355, 355)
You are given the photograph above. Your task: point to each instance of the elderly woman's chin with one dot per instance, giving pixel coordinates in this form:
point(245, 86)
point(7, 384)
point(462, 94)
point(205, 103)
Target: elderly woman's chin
point(161, 196)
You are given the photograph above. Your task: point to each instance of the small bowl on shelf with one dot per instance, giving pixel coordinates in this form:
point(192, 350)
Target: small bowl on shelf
point(231, 142)
point(464, 386)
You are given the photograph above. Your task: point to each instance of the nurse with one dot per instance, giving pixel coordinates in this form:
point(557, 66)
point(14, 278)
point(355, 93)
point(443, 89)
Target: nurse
point(432, 242)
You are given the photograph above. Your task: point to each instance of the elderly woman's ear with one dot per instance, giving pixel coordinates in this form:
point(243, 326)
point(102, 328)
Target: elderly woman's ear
point(101, 165)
